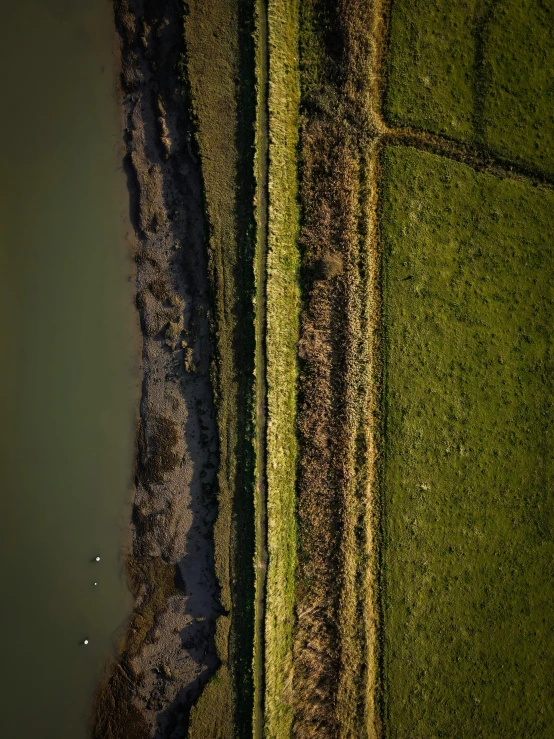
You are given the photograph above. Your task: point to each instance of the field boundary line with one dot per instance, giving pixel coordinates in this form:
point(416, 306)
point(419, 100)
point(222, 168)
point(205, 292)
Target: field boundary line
point(478, 159)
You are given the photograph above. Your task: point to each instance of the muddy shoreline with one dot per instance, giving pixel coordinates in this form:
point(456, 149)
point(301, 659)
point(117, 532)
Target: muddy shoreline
point(168, 652)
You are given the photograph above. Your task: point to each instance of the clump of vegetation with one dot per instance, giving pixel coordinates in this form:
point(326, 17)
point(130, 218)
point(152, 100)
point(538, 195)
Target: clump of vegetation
point(468, 603)
point(150, 182)
point(158, 455)
point(159, 289)
point(153, 582)
point(173, 331)
point(328, 266)
point(188, 358)
point(165, 139)
point(151, 318)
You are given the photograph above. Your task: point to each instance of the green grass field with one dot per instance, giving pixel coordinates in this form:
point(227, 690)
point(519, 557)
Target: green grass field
point(468, 528)
point(480, 73)
point(518, 107)
point(430, 66)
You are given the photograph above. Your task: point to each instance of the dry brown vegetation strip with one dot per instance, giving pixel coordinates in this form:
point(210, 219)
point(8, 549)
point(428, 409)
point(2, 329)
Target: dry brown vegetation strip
point(335, 637)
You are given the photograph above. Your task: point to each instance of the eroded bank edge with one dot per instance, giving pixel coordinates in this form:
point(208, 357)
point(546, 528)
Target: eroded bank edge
point(172, 303)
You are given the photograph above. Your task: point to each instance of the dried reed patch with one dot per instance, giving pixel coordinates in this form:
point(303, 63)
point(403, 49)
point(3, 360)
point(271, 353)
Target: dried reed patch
point(335, 674)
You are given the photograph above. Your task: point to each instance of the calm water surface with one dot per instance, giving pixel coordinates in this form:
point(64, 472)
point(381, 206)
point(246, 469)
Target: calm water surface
point(67, 363)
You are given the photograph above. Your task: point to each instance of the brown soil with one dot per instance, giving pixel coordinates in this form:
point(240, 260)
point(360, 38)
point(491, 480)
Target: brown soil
point(168, 652)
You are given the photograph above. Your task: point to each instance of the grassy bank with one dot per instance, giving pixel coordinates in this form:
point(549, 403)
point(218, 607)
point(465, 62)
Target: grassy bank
point(468, 538)
point(282, 295)
point(219, 70)
point(334, 681)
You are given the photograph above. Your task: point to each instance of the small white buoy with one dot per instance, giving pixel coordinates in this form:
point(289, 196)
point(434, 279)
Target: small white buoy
point(97, 559)
point(85, 642)
point(96, 583)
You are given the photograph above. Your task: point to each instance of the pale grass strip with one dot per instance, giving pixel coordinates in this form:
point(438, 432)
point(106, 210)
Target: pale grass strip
point(281, 339)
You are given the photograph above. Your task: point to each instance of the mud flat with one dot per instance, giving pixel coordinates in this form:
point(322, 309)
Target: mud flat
point(168, 652)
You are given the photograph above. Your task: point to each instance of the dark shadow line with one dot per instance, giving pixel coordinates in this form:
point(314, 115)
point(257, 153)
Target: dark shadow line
point(479, 159)
point(481, 71)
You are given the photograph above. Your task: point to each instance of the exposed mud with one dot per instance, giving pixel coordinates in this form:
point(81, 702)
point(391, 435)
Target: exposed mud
point(168, 653)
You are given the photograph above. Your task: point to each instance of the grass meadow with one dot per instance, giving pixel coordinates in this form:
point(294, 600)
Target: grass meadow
point(480, 73)
point(468, 532)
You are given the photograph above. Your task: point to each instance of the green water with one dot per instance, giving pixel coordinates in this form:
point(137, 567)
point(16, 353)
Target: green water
point(67, 363)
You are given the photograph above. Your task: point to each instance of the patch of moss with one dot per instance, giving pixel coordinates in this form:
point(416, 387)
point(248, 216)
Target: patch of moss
point(159, 289)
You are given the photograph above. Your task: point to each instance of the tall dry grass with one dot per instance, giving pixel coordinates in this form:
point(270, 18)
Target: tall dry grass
point(335, 640)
